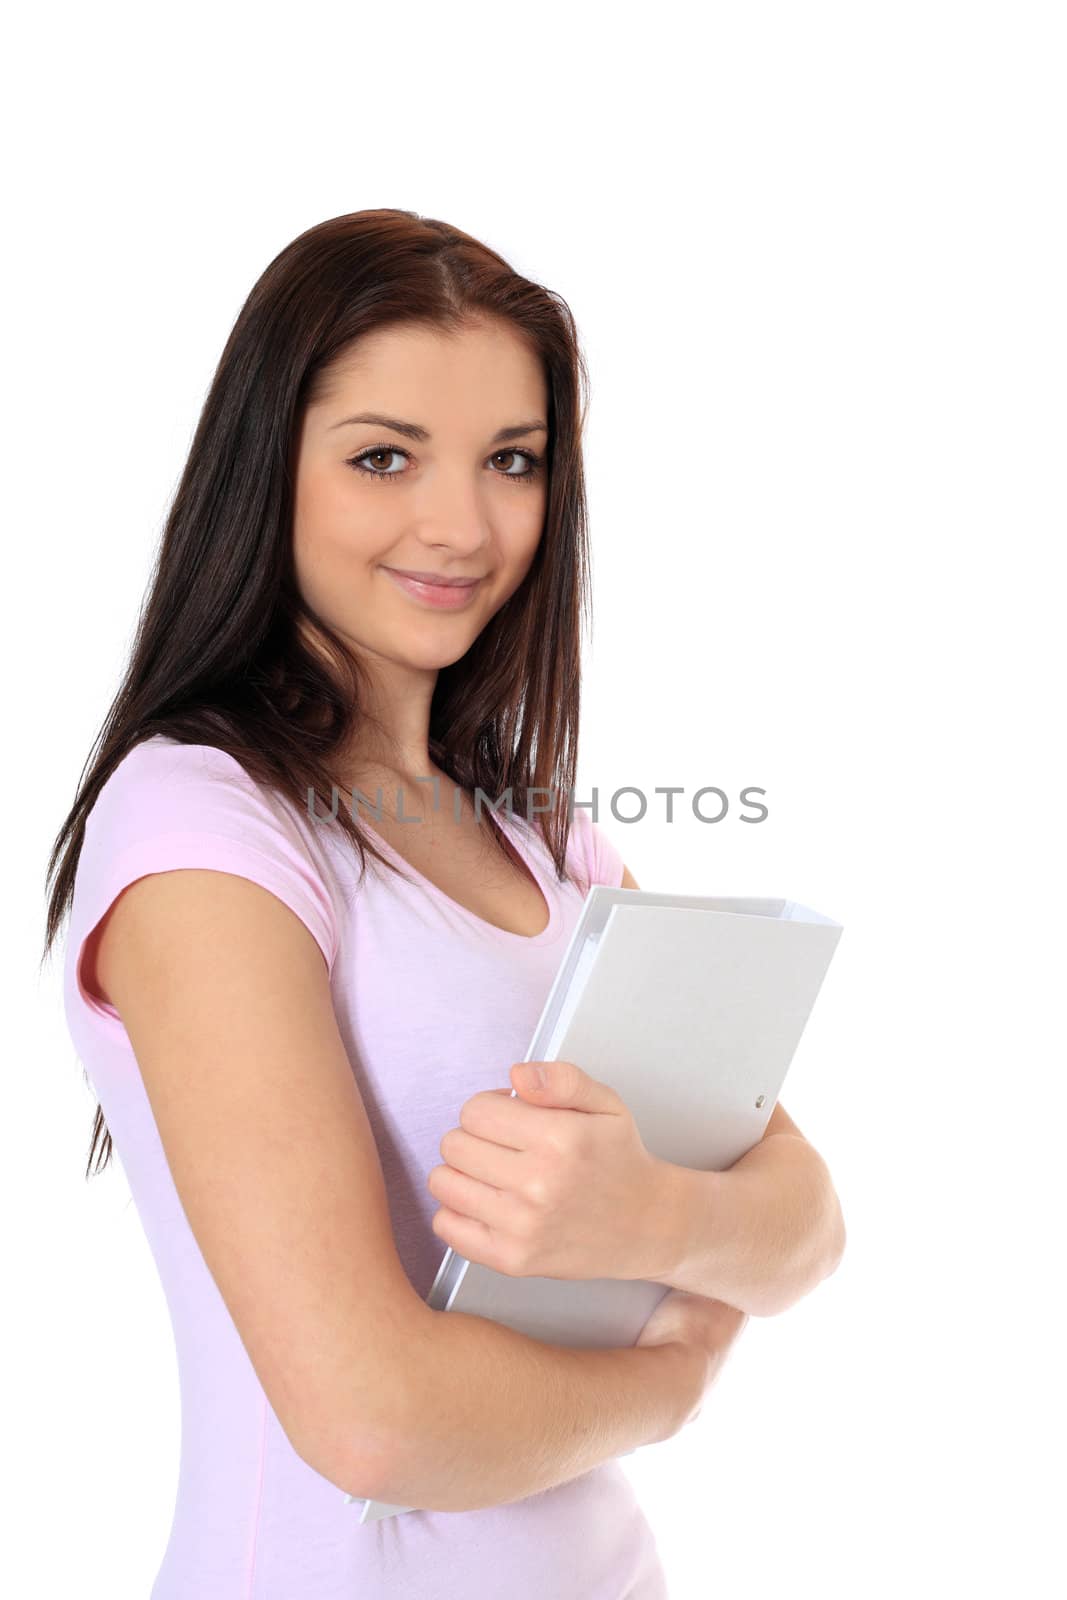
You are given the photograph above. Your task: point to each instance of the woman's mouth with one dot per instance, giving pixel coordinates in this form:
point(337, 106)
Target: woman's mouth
point(434, 589)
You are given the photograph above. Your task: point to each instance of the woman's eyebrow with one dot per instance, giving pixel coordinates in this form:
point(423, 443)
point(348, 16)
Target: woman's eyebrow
point(412, 430)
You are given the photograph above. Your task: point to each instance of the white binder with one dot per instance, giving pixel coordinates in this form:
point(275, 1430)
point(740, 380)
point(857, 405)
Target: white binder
point(691, 1008)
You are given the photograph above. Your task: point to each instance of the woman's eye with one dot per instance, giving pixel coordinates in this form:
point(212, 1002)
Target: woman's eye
point(373, 455)
point(532, 462)
point(367, 462)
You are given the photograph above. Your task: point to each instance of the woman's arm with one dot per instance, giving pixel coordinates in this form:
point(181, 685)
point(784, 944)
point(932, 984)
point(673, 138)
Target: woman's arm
point(484, 1415)
point(556, 1182)
point(762, 1234)
point(226, 1001)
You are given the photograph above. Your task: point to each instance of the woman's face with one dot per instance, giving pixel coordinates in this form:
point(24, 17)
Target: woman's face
point(452, 484)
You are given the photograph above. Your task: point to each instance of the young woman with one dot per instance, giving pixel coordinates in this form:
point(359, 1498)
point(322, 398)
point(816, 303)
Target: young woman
point(370, 585)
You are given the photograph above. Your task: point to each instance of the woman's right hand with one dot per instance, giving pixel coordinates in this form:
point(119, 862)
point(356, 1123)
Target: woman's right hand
point(708, 1327)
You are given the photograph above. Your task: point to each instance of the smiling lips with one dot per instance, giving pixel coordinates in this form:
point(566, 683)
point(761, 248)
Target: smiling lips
point(435, 579)
point(433, 588)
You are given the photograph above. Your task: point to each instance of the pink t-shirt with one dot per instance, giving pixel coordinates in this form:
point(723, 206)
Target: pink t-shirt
point(252, 1521)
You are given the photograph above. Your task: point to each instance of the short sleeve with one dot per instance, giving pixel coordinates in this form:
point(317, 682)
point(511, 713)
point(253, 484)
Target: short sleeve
point(601, 861)
point(169, 805)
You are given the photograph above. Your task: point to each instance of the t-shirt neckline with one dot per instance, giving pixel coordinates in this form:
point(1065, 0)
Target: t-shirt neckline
point(548, 933)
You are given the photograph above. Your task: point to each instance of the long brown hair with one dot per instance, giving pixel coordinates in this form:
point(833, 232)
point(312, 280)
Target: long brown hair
point(218, 657)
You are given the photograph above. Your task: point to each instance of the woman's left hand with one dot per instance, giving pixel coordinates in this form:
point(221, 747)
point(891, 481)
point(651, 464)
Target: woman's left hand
point(555, 1182)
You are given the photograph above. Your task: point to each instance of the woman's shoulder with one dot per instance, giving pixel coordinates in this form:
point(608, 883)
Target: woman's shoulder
point(163, 787)
point(168, 805)
point(160, 759)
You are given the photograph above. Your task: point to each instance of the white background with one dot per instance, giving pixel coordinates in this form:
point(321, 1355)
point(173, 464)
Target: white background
point(817, 258)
